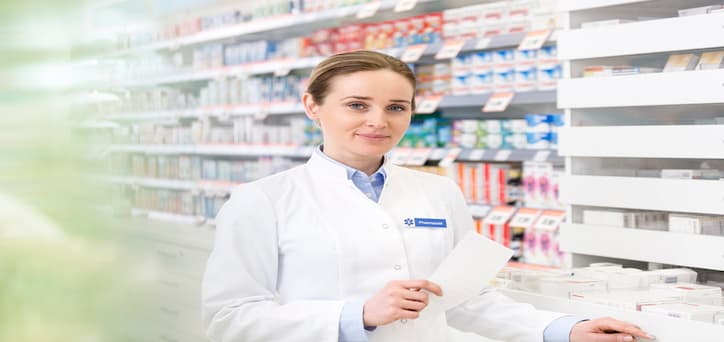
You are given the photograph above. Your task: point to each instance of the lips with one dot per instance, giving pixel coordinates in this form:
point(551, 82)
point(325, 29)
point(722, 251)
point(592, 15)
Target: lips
point(373, 136)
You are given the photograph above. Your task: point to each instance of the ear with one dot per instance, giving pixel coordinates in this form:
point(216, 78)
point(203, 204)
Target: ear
point(310, 107)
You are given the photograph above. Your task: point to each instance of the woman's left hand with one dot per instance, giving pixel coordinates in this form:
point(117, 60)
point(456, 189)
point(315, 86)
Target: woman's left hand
point(606, 330)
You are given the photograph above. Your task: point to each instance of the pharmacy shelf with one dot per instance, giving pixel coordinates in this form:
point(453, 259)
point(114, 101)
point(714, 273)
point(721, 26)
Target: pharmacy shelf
point(448, 102)
point(189, 235)
point(690, 250)
point(678, 195)
point(579, 5)
point(218, 111)
point(503, 155)
point(175, 184)
point(219, 150)
point(257, 68)
point(291, 23)
point(479, 100)
point(286, 65)
point(702, 87)
point(653, 36)
point(167, 217)
point(692, 141)
point(172, 184)
point(665, 329)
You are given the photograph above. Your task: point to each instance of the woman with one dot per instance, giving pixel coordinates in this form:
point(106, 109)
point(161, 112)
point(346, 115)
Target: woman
point(324, 251)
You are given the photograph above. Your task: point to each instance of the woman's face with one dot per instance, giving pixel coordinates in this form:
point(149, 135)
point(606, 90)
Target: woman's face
point(364, 115)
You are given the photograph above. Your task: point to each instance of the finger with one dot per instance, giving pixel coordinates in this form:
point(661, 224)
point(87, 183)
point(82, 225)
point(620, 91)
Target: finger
point(611, 324)
point(412, 305)
point(408, 314)
point(416, 296)
point(611, 338)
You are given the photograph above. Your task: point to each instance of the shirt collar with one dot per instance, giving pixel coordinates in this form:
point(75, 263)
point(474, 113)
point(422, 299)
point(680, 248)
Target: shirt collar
point(350, 171)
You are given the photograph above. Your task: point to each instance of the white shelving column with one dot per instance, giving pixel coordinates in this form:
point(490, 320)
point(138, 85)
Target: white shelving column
point(618, 125)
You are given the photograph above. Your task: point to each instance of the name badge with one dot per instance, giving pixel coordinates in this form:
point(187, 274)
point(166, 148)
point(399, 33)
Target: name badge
point(425, 223)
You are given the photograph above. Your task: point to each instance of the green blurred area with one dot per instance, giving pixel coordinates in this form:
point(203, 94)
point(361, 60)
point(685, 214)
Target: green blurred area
point(67, 272)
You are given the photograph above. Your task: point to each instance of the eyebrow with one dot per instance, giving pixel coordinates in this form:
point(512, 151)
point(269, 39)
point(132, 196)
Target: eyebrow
point(369, 98)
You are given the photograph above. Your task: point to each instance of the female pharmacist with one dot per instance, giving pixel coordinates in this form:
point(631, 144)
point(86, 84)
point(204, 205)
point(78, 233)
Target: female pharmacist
point(323, 253)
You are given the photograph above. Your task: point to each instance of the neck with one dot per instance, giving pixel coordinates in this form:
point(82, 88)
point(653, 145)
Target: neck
point(366, 164)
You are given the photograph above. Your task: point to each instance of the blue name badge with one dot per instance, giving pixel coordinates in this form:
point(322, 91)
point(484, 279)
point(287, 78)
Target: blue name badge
point(426, 223)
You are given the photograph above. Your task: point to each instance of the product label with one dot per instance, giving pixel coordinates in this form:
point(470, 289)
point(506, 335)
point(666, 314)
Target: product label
point(482, 44)
point(428, 105)
point(405, 5)
point(479, 210)
point(450, 157)
point(498, 102)
point(418, 156)
point(413, 53)
point(400, 155)
point(499, 215)
point(534, 39)
point(550, 220)
point(369, 9)
point(541, 155)
point(450, 49)
point(525, 217)
point(502, 155)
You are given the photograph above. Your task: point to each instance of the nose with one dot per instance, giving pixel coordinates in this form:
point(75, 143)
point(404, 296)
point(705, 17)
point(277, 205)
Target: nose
point(376, 118)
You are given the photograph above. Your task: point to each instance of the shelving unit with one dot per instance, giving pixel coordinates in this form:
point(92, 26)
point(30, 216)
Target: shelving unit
point(618, 122)
point(665, 329)
point(689, 250)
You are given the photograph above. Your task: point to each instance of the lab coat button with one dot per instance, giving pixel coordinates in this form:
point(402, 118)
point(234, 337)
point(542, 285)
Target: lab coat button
point(385, 226)
point(403, 321)
point(398, 267)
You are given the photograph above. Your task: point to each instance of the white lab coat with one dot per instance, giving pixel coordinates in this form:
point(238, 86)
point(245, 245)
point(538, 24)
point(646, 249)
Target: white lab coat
point(291, 248)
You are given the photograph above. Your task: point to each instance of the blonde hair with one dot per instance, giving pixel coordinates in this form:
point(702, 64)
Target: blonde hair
point(350, 62)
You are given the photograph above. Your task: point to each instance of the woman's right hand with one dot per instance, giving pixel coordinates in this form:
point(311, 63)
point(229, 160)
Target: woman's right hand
point(399, 299)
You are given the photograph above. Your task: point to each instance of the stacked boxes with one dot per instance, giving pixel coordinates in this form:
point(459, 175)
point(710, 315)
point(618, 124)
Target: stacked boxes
point(540, 185)
point(497, 18)
point(431, 132)
point(494, 184)
point(496, 134)
point(542, 130)
point(433, 79)
point(484, 72)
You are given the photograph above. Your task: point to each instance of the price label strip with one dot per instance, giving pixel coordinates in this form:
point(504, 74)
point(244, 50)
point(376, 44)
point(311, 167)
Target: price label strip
point(419, 156)
point(550, 220)
point(437, 154)
point(284, 68)
point(450, 157)
point(499, 215)
point(541, 156)
point(479, 210)
point(369, 9)
point(482, 44)
point(476, 154)
point(405, 5)
point(413, 53)
point(525, 217)
point(450, 49)
point(400, 155)
point(498, 102)
point(534, 39)
point(428, 105)
point(503, 155)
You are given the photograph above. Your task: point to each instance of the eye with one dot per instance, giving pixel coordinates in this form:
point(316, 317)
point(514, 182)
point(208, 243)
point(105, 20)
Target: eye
point(396, 108)
point(356, 106)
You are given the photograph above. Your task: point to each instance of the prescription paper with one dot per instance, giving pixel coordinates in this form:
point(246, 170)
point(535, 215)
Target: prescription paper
point(465, 272)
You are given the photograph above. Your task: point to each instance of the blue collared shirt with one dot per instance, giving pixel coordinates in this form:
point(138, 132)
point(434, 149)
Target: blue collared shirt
point(351, 328)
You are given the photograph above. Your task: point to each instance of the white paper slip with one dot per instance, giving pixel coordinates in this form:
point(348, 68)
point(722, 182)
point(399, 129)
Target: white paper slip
point(466, 271)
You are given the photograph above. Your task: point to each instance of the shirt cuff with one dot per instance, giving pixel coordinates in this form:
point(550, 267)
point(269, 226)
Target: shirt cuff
point(350, 323)
point(560, 329)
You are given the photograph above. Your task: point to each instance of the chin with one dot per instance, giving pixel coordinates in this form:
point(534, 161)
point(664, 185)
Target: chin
point(374, 150)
